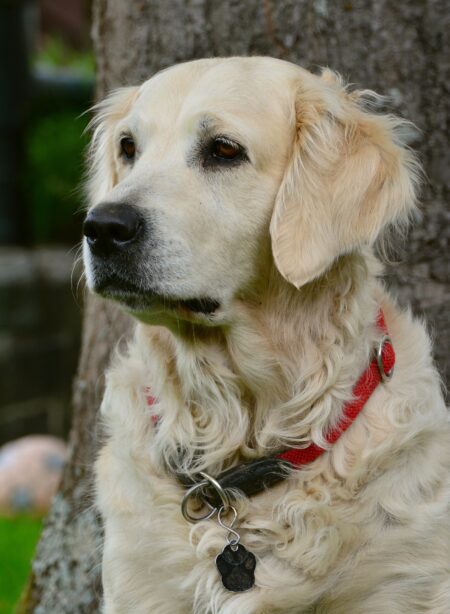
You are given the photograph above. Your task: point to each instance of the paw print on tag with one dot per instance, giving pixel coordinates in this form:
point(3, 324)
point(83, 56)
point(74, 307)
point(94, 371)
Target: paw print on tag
point(237, 568)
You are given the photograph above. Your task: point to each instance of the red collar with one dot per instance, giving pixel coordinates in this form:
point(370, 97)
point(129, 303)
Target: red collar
point(379, 370)
point(254, 476)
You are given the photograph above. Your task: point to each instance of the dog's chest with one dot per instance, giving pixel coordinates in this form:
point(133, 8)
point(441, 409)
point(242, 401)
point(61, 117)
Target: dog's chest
point(153, 552)
point(154, 557)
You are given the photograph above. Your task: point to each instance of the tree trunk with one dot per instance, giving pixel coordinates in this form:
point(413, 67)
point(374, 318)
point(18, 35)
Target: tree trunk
point(395, 48)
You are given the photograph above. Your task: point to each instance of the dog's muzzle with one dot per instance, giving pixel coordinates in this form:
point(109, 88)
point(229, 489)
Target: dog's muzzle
point(119, 238)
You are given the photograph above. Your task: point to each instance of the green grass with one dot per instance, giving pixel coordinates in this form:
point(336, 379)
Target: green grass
point(18, 538)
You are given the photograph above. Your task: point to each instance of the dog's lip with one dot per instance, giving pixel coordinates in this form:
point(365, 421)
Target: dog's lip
point(134, 296)
point(205, 305)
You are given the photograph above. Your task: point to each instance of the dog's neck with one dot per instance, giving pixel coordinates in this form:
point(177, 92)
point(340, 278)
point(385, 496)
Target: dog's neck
point(276, 377)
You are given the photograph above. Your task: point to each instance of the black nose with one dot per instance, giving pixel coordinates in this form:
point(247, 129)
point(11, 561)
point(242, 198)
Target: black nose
point(110, 227)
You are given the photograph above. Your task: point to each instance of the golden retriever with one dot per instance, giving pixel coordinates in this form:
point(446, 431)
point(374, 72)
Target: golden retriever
point(234, 207)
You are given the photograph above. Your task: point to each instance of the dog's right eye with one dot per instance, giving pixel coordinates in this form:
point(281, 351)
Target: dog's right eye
point(127, 147)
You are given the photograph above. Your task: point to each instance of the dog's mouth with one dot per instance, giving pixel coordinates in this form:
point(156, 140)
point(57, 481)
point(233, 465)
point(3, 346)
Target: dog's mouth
point(200, 305)
point(139, 299)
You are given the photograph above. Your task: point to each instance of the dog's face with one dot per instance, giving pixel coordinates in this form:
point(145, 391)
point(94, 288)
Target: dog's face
point(199, 170)
point(192, 169)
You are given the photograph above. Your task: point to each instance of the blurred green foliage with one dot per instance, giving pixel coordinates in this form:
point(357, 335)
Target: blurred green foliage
point(54, 51)
point(55, 145)
point(18, 538)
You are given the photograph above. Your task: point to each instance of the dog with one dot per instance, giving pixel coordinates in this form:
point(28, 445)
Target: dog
point(234, 208)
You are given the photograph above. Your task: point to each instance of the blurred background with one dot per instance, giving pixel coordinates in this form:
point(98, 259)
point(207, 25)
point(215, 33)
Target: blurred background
point(46, 84)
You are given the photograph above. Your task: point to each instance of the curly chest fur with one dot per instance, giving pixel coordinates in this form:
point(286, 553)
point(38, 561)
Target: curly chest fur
point(326, 522)
point(151, 552)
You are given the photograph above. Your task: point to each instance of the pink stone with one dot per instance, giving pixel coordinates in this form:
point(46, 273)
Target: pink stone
point(30, 471)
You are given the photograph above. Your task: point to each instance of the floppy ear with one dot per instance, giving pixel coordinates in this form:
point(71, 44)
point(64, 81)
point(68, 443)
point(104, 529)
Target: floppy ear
point(102, 174)
point(348, 177)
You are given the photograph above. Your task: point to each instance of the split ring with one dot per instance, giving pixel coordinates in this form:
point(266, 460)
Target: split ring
point(195, 491)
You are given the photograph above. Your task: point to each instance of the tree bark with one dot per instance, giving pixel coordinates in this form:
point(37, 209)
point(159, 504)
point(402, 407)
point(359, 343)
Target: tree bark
point(398, 49)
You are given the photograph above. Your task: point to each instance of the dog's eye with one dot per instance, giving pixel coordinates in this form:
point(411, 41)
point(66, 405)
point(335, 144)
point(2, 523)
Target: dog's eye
point(127, 147)
point(226, 149)
point(221, 153)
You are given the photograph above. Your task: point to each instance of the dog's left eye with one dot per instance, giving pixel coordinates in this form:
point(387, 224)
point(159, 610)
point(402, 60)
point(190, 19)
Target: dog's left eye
point(226, 149)
point(222, 152)
point(127, 147)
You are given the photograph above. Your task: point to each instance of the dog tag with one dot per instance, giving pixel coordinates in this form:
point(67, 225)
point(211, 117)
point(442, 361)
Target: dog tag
point(236, 566)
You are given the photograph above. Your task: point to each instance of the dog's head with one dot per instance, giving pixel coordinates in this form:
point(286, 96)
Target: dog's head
point(214, 170)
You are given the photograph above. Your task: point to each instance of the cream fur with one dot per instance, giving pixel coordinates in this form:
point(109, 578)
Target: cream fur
point(365, 528)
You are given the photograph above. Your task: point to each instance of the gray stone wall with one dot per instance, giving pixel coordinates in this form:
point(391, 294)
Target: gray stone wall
point(39, 341)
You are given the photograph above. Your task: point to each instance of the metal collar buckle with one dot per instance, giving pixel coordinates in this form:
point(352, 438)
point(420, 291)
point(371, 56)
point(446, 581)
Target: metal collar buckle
point(385, 375)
